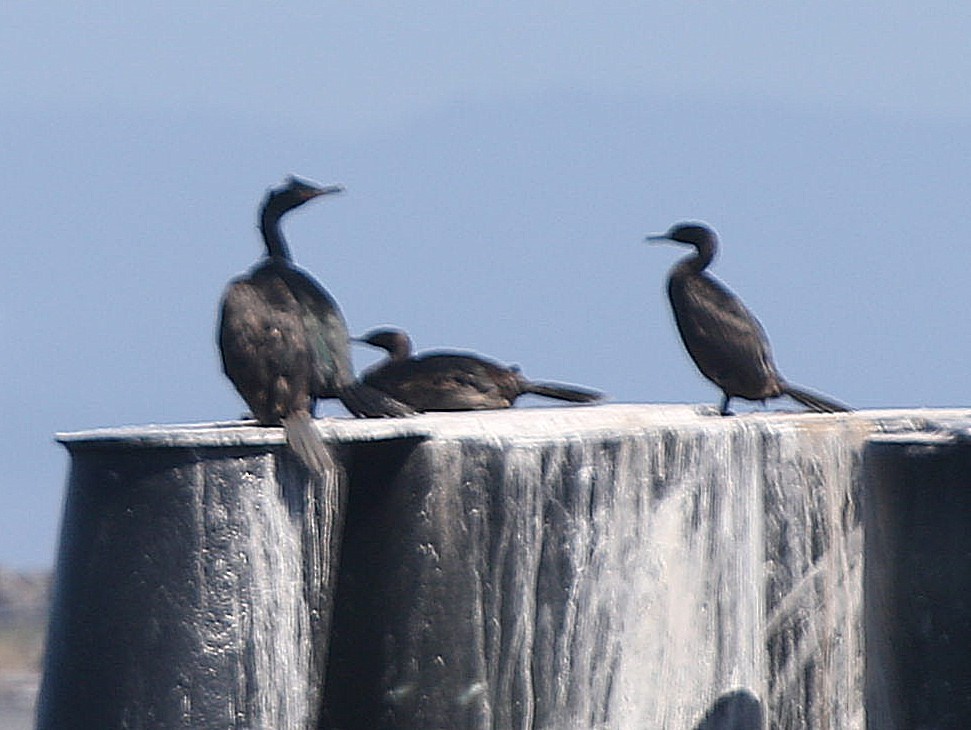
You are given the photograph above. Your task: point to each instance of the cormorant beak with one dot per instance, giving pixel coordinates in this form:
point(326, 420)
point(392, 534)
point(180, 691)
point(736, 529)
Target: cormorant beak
point(324, 190)
point(658, 238)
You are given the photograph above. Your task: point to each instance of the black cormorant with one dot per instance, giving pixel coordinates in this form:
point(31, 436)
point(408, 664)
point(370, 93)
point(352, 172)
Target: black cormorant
point(722, 336)
point(283, 340)
point(454, 381)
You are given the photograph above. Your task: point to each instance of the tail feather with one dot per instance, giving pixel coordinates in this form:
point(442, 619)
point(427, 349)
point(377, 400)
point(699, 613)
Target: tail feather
point(367, 402)
point(306, 443)
point(572, 393)
point(818, 403)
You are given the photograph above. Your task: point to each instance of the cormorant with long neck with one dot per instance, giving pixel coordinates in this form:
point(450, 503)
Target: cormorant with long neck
point(283, 340)
point(453, 381)
point(722, 336)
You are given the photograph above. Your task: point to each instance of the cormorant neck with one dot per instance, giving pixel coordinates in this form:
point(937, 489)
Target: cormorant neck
point(401, 349)
point(704, 253)
point(276, 245)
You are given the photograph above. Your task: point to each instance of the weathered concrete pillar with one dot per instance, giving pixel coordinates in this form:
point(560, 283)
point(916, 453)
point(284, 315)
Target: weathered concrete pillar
point(918, 580)
point(194, 582)
point(607, 568)
point(602, 567)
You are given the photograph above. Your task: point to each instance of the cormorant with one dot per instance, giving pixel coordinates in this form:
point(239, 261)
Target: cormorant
point(283, 341)
point(453, 381)
point(722, 336)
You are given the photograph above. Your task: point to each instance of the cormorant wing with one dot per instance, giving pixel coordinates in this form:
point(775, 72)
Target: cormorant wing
point(457, 371)
point(723, 337)
point(438, 382)
point(263, 352)
point(326, 331)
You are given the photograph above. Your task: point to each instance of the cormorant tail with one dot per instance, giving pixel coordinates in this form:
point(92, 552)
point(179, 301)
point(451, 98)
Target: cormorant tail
point(570, 393)
point(306, 443)
point(366, 402)
point(815, 402)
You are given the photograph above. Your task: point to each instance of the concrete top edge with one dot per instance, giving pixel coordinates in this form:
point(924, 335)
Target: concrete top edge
point(514, 423)
point(960, 435)
point(518, 422)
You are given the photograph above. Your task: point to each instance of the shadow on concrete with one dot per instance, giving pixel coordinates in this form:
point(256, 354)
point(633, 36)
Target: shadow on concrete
point(737, 710)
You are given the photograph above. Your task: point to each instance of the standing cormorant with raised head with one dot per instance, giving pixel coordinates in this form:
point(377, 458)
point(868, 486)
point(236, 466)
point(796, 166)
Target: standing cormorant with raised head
point(284, 342)
point(722, 336)
point(453, 381)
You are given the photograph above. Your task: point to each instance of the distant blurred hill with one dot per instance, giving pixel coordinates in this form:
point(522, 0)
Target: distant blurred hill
point(23, 591)
point(24, 606)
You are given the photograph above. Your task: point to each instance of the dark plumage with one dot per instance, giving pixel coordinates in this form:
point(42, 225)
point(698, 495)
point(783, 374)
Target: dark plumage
point(722, 336)
point(283, 340)
point(454, 381)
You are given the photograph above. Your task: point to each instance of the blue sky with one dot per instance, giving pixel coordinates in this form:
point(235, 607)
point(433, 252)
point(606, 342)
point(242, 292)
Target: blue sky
point(502, 166)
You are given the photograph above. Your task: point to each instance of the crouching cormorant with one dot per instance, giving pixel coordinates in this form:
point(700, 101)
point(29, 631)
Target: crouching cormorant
point(722, 336)
point(283, 341)
point(454, 381)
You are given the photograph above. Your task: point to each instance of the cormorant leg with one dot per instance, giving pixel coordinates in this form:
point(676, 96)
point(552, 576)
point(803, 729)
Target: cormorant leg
point(724, 406)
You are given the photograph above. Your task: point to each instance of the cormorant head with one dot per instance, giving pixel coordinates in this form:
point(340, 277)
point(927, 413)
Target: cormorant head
point(698, 235)
point(294, 192)
point(395, 341)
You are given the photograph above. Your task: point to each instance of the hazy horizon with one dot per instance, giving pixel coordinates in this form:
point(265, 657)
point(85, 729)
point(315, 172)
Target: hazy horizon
point(502, 168)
